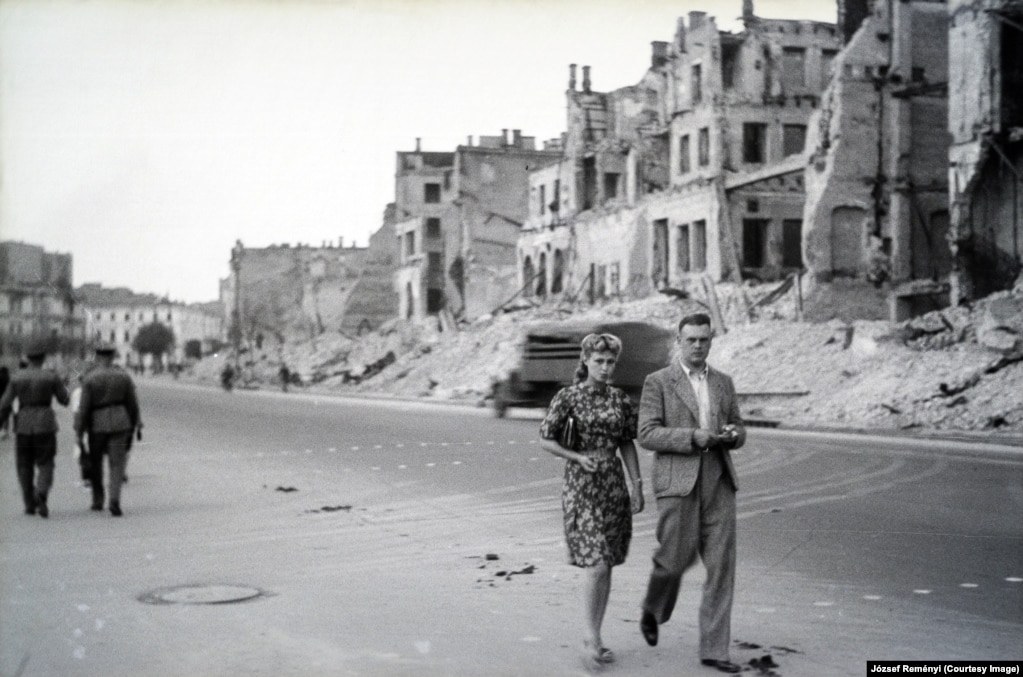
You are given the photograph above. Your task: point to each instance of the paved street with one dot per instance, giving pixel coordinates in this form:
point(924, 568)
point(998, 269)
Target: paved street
point(393, 538)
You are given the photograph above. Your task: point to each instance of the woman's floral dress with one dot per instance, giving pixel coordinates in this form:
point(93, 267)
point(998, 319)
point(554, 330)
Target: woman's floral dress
point(597, 510)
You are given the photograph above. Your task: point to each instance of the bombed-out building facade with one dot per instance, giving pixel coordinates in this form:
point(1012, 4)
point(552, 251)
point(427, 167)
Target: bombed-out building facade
point(695, 171)
point(285, 292)
point(458, 218)
point(986, 156)
point(877, 182)
point(880, 155)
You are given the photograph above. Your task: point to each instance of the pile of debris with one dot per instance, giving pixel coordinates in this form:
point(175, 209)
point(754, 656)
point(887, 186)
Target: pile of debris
point(955, 369)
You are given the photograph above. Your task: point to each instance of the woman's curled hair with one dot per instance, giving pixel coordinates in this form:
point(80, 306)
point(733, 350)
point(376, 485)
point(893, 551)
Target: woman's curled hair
point(595, 343)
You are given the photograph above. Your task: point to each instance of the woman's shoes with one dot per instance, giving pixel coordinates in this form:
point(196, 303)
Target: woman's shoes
point(595, 658)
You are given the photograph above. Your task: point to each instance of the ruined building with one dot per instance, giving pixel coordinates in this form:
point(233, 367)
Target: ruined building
point(285, 293)
point(986, 156)
point(37, 302)
point(876, 216)
point(695, 171)
point(459, 215)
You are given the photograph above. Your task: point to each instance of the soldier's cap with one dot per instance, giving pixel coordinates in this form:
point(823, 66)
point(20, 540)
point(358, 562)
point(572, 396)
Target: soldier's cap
point(36, 348)
point(105, 349)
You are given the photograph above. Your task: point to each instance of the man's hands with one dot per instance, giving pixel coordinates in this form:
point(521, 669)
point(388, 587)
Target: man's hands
point(705, 439)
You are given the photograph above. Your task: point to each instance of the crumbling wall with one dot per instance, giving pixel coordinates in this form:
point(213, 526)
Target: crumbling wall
point(986, 156)
point(840, 217)
point(374, 299)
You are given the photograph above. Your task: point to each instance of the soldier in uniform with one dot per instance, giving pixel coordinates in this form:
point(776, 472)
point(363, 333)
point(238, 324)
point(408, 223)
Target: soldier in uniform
point(109, 413)
point(35, 426)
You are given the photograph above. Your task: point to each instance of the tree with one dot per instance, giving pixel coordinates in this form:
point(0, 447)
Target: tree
point(154, 339)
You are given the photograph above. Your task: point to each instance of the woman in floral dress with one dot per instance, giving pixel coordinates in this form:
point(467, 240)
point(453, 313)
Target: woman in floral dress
point(595, 498)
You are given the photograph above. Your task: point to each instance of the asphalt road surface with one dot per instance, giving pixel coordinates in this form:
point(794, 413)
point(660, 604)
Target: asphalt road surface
point(273, 534)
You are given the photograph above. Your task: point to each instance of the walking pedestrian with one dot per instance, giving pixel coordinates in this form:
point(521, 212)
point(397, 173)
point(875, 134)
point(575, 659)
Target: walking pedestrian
point(5, 379)
point(81, 455)
point(35, 426)
point(285, 375)
point(689, 417)
point(596, 502)
point(109, 414)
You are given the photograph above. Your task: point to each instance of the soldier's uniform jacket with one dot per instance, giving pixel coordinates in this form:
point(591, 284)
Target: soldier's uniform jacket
point(35, 390)
point(109, 403)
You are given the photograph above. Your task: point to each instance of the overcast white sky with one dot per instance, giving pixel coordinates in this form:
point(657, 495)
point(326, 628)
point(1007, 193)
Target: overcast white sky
point(146, 136)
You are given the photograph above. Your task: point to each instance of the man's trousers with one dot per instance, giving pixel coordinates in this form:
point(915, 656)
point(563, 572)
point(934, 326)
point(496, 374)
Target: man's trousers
point(702, 525)
point(115, 447)
point(35, 451)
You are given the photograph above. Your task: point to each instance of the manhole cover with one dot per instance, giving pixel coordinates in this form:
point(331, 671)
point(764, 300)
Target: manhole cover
point(202, 594)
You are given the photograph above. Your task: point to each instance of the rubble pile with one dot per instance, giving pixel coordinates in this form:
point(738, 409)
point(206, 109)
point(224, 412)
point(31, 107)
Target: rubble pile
point(954, 369)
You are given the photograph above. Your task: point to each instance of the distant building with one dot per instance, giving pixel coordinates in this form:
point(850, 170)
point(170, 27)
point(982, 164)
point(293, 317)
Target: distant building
point(115, 315)
point(695, 171)
point(459, 216)
point(36, 301)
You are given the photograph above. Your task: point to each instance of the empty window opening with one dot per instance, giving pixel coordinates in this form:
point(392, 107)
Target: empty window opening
point(431, 193)
point(793, 66)
point(589, 182)
point(704, 150)
point(792, 243)
point(1012, 72)
point(611, 182)
point(559, 272)
point(793, 139)
point(754, 142)
point(754, 243)
point(729, 64)
point(433, 228)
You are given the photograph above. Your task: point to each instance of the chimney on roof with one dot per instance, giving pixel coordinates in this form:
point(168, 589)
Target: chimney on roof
point(586, 79)
point(470, 141)
point(517, 138)
point(680, 34)
point(571, 76)
point(417, 144)
point(504, 137)
point(747, 11)
point(658, 54)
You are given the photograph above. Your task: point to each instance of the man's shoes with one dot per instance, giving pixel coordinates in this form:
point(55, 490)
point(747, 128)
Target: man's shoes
point(723, 666)
point(44, 511)
point(115, 509)
point(648, 626)
point(30, 510)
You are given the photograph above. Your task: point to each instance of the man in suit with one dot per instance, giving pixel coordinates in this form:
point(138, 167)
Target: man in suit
point(35, 426)
point(109, 413)
point(689, 416)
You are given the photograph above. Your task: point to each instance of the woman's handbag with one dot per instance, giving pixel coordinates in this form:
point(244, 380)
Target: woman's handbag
point(569, 437)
